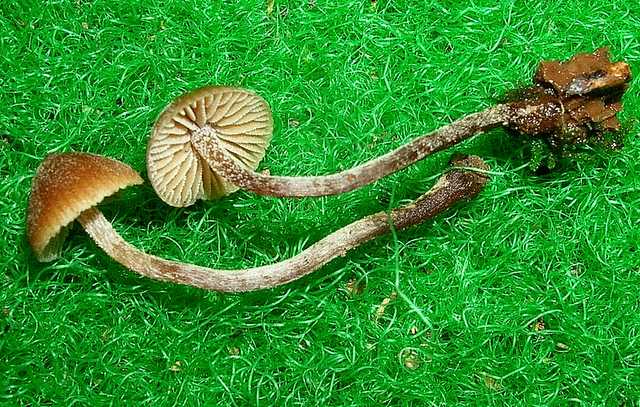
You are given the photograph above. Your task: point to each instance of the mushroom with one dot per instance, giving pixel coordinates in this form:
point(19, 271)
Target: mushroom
point(64, 188)
point(240, 121)
point(570, 101)
point(68, 186)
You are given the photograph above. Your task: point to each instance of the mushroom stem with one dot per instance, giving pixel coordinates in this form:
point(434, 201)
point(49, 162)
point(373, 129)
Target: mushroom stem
point(452, 187)
point(224, 164)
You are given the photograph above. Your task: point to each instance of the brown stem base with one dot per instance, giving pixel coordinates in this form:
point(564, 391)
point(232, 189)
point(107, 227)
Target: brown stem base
point(204, 141)
point(452, 187)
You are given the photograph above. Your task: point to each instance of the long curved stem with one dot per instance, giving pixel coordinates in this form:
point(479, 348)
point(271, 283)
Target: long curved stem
point(227, 167)
point(450, 188)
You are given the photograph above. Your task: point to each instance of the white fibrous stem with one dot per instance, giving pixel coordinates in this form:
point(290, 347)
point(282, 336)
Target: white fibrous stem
point(452, 187)
point(207, 145)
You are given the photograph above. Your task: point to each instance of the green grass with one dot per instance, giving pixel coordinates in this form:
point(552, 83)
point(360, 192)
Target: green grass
point(347, 81)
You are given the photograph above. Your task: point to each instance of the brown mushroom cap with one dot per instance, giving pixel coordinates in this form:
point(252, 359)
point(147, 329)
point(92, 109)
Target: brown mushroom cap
point(240, 121)
point(65, 185)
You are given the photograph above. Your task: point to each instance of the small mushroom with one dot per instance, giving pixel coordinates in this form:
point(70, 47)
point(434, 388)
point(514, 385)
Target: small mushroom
point(68, 186)
point(65, 186)
point(559, 107)
point(239, 120)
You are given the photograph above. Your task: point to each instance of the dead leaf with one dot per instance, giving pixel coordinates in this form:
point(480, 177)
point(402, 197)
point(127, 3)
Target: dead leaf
point(293, 123)
point(491, 383)
point(576, 270)
point(409, 358)
point(538, 325)
point(270, 5)
point(176, 366)
point(383, 305)
point(355, 287)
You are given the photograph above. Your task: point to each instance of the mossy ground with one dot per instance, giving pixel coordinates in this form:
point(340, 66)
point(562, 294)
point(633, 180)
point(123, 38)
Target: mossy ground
point(527, 295)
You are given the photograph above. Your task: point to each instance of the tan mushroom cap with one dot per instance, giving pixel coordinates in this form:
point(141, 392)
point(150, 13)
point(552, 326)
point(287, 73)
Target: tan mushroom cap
point(65, 185)
point(239, 119)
